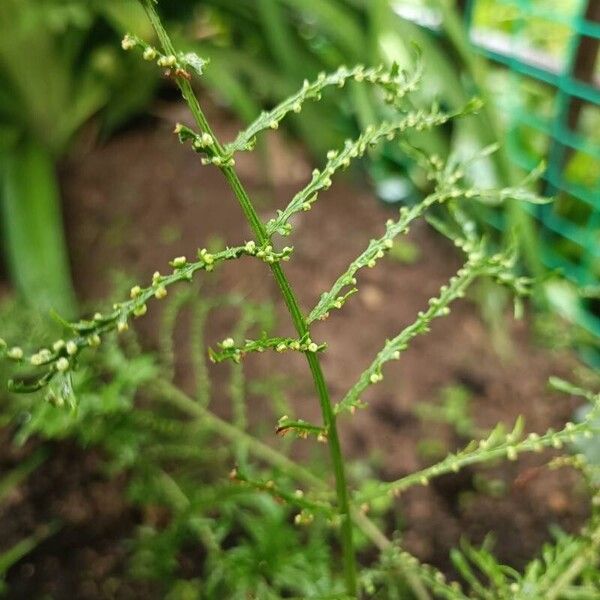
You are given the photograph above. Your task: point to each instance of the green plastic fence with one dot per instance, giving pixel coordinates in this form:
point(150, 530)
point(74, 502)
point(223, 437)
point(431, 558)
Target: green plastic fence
point(550, 98)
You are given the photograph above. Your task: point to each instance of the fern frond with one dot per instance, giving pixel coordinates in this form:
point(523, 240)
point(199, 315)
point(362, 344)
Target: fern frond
point(337, 295)
point(63, 355)
point(497, 445)
point(418, 120)
point(477, 265)
point(395, 83)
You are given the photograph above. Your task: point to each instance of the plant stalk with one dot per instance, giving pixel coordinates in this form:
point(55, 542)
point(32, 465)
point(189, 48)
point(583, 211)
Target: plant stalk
point(302, 329)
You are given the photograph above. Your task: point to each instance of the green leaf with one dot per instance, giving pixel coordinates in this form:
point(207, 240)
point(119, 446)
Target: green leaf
point(192, 60)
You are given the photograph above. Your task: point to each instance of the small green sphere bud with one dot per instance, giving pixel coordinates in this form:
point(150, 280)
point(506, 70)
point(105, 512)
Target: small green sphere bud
point(179, 262)
point(58, 345)
point(94, 340)
point(228, 343)
point(122, 326)
point(62, 364)
point(160, 293)
point(15, 353)
point(140, 311)
point(250, 247)
point(128, 42)
point(136, 290)
point(207, 257)
point(167, 61)
point(149, 53)
point(375, 377)
point(45, 354)
point(71, 348)
point(206, 139)
point(312, 347)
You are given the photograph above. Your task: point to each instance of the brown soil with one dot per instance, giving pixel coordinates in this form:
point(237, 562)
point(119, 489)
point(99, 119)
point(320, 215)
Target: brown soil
point(142, 199)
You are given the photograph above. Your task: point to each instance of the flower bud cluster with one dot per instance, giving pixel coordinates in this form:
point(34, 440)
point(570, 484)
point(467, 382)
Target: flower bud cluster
point(301, 428)
point(229, 351)
point(204, 143)
point(305, 517)
point(175, 64)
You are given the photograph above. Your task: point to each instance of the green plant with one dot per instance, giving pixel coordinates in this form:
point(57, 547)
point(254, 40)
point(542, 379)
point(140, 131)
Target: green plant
point(454, 410)
point(279, 42)
point(56, 365)
point(55, 54)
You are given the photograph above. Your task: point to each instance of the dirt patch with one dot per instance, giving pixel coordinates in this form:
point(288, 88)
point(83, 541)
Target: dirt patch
point(68, 494)
point(142, 199)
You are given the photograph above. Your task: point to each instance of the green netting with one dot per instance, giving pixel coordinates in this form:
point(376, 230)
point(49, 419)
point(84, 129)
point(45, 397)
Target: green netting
point(552, 111)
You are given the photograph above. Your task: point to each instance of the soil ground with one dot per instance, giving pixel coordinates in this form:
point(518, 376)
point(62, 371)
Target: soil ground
point(141, 199)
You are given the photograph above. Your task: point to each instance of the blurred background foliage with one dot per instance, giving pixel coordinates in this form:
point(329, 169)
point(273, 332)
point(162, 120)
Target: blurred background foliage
point(62, 78)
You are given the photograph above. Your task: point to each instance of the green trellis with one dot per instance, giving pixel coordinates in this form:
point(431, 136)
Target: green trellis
point(551, 104)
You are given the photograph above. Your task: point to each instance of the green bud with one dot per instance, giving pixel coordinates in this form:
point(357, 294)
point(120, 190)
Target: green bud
point(149, 53)
point(15, 353)
point(140, 311)
point(179, 262)
point(228, 343)
point(128, 42)
point(160, 292)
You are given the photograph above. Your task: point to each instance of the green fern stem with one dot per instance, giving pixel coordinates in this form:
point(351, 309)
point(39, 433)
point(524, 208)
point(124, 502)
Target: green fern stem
point(300, 324)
